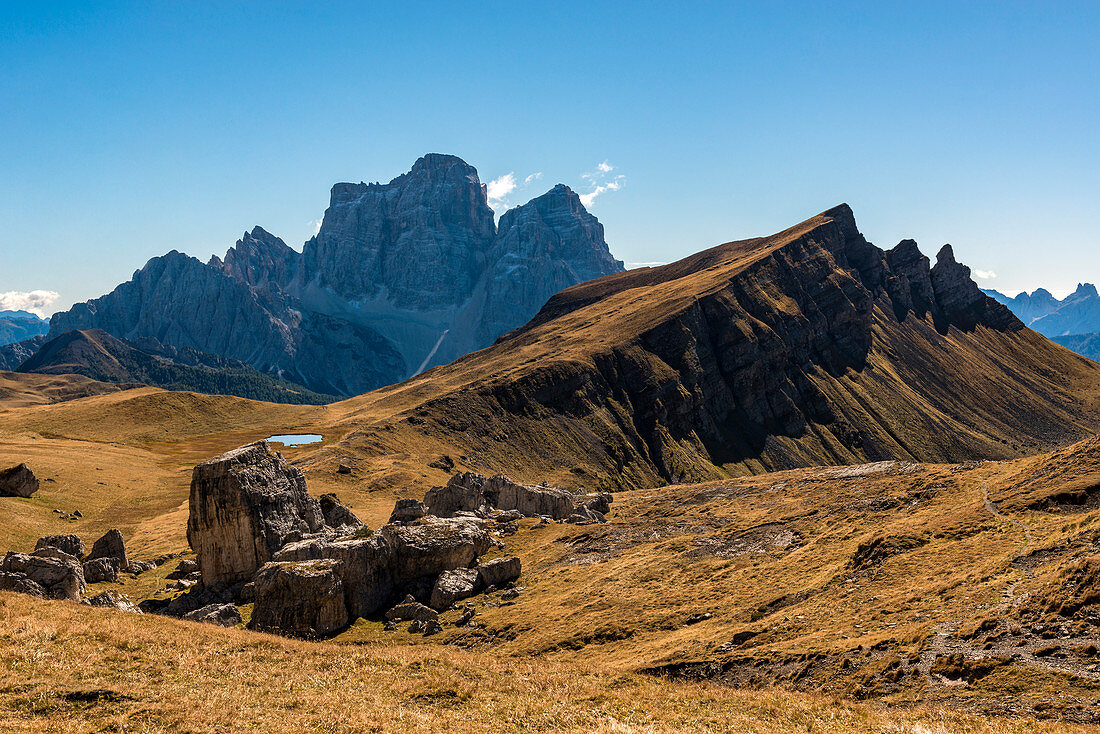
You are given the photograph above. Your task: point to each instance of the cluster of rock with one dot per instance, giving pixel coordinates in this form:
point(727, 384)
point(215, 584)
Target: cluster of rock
point(59, 568)
point(468, 492)
point(311, 567)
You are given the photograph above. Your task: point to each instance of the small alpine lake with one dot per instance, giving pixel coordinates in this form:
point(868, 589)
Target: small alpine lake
point(295, 439)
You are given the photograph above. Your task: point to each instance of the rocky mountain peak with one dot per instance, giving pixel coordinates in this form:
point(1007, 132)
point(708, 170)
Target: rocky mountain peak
point(1085, 290)
point(260, 259)
point(400, 275)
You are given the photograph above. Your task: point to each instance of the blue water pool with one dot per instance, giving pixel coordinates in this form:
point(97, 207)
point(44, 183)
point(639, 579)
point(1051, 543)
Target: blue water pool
point(295, 439)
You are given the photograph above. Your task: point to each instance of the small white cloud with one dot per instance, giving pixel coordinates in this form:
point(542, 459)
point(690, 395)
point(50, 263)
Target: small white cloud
point(601, 182)
point(498, 190)
point(984, 274)
point(37, 302)
point(316, 224)
point(613, 185)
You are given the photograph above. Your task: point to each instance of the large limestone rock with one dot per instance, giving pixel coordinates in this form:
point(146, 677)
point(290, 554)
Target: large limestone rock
point(452, 586)
point(470, 492)
point(223, 615)
point(101, 569)
point(303, 599)
point(407, 510)
point(56, 573)
point(245, 505)
point(364, 568)
point(111, 599)
point(499, 571)
point(71, 544)
point(435, 545)
point(18, 481)
point(374, 569)
point(110, 546)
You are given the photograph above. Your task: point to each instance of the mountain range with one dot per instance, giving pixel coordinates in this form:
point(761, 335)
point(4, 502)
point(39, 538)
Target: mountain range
point(714, 396)
point(400, 277)
point(15, 326)
point(1078, 313)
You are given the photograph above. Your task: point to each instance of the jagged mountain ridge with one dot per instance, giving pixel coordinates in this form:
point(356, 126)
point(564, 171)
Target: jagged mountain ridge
point(811, 346)
point(400, 277)
point(1077, 313)
point(96, 354)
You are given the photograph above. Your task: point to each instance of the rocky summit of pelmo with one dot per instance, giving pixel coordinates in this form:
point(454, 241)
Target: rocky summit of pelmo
point(400, 277)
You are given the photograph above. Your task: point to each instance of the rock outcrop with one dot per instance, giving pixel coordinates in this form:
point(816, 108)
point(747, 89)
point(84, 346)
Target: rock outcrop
point(401, 276)
point(452, 586)
point(244, 506)
point(408, 510)
point(364, 568)
point(101, 569)
point(336, 514)
point(498, 572)
point(18, 481)
point(112, 546)
point(110, 599)
point(470, 492)
point(71, 544)
point(223, 615)
point(48, 572)
point(375, 569)
point(302, 599)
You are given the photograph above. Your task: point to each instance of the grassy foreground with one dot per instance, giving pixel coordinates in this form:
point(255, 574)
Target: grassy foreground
point(65, 668)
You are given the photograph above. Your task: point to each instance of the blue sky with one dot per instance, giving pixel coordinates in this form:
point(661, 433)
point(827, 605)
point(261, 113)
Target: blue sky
point(127, 130)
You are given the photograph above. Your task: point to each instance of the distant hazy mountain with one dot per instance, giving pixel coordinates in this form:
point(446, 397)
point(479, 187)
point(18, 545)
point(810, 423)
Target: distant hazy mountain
point(15, 326)
point(1087, 345)
point(96, 354)
point(401, 276)
point(1079, 313)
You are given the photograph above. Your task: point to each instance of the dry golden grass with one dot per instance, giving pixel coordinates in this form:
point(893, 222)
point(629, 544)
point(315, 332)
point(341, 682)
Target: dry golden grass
point(69, 669)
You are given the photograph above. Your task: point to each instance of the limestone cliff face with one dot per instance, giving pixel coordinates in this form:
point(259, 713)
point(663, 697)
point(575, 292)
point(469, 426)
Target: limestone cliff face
point(421, 260)
point(400, 277)
point(420, 241)
point(542, 247)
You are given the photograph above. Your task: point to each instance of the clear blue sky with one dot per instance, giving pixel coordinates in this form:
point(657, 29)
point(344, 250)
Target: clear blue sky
point(127, 130)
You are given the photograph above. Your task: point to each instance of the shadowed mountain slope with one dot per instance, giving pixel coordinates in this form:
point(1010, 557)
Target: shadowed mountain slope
point(811, 346)
point(96, 354)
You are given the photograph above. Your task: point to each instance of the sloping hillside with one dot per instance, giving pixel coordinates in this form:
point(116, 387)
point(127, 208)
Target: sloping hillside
point(811, 346)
